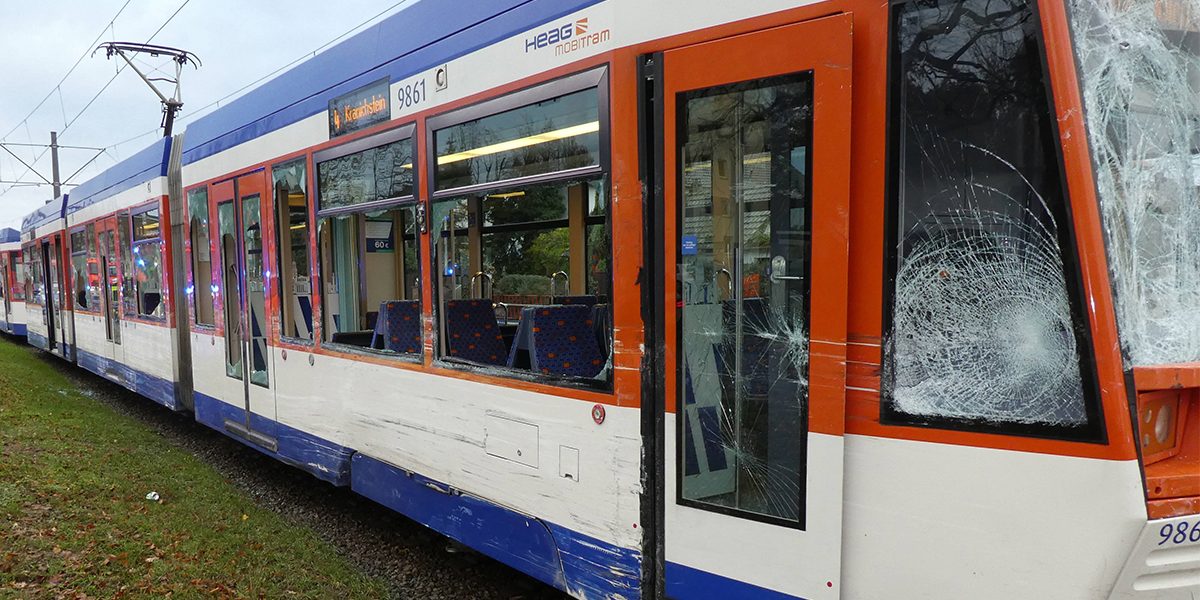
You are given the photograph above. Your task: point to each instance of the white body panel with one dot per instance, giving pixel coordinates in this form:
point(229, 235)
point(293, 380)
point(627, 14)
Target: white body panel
point(927, 520)
point(1165, 562)
point(137, 195)
point(437, 426)
point(702, 539)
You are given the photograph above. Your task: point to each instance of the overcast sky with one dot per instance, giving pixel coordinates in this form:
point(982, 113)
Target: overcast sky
point(237, 41)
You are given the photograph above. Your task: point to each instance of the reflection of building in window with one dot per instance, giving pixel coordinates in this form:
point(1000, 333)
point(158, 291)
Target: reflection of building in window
point(370, 262)
point(295, 291)
point(147, 263)
point(521, 239)
point(202, 282)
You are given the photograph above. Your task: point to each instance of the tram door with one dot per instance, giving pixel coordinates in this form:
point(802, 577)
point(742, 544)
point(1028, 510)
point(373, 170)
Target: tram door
point(110, 294)
point(5, 288)
point(756, 179)
point(244, 279)
point(50, 289)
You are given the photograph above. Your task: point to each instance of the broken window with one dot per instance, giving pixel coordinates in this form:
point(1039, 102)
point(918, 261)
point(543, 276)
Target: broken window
point(18, 267)
point(79, 269)
point(1139, 67)
point(370, 260)
point(291, 206)
point(986, 328)
point(202, 285)
point(148, 265)
point(746, 155)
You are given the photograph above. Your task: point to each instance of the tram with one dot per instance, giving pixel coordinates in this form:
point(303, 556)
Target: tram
point(696, 299)
point(12, 283)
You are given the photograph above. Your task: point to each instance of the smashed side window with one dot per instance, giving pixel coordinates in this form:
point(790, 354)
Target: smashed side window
point(1140, 72)
point(984, 330)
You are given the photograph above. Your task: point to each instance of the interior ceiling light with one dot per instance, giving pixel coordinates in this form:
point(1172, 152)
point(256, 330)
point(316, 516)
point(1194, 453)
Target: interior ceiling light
point(525, 142)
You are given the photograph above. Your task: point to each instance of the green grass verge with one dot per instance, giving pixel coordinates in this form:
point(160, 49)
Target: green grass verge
point(74, 521)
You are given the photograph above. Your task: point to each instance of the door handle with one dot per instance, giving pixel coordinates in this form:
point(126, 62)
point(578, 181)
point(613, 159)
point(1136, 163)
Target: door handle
point(779, 265)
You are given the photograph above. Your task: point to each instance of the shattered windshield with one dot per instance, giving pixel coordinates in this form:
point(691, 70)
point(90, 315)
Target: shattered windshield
point(1140, 72)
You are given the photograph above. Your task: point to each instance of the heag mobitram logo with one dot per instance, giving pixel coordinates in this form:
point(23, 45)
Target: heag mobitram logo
point(565, 38)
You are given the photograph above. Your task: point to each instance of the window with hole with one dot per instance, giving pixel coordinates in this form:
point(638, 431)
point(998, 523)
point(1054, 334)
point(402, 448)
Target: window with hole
point(202, 280)
point(146, 248)
point(521, 234)
point(367, 233)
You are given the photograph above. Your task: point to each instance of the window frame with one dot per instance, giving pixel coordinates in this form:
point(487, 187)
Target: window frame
point(133, 243)
point(73, 252)
point(17, 270)
point(362, 144)
point(193, 303)
point(597, 78)
point(314, 282)
point(1095, 429)
point(359, 212)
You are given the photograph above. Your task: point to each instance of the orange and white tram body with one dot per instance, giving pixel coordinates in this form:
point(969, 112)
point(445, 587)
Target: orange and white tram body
point(12, 283)
point(696, 299)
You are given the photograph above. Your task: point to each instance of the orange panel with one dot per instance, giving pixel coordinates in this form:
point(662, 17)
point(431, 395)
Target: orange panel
point(826, 52)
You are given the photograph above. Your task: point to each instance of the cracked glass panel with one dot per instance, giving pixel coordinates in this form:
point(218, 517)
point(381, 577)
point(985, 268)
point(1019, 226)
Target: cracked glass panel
point(745, 155)
point(1140, 73)
point(983, 328)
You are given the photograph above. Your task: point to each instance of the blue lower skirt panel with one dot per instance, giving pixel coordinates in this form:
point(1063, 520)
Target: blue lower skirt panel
point(568, 560)
point(157, 389)
point(323, 459)
point(17, 329)
point(37, 340)
point(686, 582)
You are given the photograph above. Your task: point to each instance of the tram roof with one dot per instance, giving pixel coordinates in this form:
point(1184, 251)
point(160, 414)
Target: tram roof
point(54, 209)
point(148, 163)
point(8, 234)
point(420, 36)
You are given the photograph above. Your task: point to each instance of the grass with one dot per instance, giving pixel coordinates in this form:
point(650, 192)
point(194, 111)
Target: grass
point(75, 522)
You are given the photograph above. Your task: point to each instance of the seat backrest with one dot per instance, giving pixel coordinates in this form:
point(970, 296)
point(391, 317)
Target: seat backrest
point(584, 300)
point(400, 326)
point(564, 341)
point(473, 332)
point(602, 325)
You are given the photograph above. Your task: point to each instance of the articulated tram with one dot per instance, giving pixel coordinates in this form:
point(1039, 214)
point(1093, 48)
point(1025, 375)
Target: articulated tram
point(698, 299)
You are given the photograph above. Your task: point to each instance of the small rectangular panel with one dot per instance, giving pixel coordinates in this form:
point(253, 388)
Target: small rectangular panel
point(512, 440)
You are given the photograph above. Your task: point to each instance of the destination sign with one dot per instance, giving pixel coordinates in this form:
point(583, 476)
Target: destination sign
point(359, 109)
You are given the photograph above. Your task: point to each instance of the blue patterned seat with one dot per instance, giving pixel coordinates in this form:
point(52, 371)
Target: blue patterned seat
point(473, 332)
point(398, 327)
point(564, 341)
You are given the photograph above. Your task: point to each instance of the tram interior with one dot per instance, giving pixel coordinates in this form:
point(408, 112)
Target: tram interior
point(538, 259)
